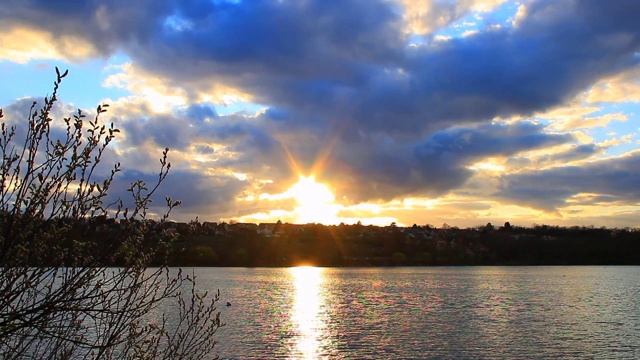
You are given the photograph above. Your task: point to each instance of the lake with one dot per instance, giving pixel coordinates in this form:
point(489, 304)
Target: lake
point(427, 312)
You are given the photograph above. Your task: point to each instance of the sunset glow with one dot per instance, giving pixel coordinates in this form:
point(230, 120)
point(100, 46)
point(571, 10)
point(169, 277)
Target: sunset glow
point(431, 112)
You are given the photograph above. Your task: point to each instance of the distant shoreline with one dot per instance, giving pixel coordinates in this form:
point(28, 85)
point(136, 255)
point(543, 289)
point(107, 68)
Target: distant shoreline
point(284, 245)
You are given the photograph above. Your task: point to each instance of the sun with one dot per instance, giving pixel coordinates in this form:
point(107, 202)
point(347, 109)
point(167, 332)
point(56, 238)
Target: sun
point(315, 201)
point(308, 192)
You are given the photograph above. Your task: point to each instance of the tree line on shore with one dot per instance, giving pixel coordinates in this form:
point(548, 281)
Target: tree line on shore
point(283, 244)
point(358, 245)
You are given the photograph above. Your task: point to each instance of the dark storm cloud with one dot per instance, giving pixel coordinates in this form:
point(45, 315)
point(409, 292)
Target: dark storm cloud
point(439, 164)
point(443, 159)
point(201, 112)
point(199, 193)
point(361, 72)
point(163, 130)
point(559, 49)
point(577, 152)
point(106, 25)
point(303, 39)
point(612, 179)
point(244, 137)
point(343, 70)
point(204, 149)
point(277, 114)
point(573, 153)
point(488, 140)
point(177, 131)
point(349, 60)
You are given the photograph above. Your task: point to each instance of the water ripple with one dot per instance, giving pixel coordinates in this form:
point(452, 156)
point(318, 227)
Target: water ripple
point(429, 313)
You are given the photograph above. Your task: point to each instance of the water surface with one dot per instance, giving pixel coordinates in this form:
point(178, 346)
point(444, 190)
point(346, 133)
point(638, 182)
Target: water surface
point(423, 313)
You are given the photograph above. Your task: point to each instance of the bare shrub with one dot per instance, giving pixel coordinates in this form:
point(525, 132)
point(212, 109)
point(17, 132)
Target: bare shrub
point(75, 273)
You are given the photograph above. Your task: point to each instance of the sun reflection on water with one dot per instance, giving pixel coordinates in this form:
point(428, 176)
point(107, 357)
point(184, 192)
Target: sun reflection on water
point(307, 310)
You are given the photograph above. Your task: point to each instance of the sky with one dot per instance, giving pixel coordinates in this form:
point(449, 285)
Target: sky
point(414, 112)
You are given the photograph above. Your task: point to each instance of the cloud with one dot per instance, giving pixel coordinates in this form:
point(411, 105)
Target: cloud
point(572, 154)
point(342, 90)
point(21, 44)
point(158, 96)
point(351, 63)
point(106, 27)
point(200, 194)
point(543, 62)
point(433, 166)
point(614, 178)
point(424, 17)
point(596, 121)
point(622, 87)
point(201, 112)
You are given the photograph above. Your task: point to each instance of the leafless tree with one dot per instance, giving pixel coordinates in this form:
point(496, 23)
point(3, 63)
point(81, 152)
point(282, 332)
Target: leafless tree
point(60, 295)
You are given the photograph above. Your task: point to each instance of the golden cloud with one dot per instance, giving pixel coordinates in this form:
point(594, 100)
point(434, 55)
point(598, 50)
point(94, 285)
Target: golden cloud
point(623, 87)
point(22, 44)
point(423, 17)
